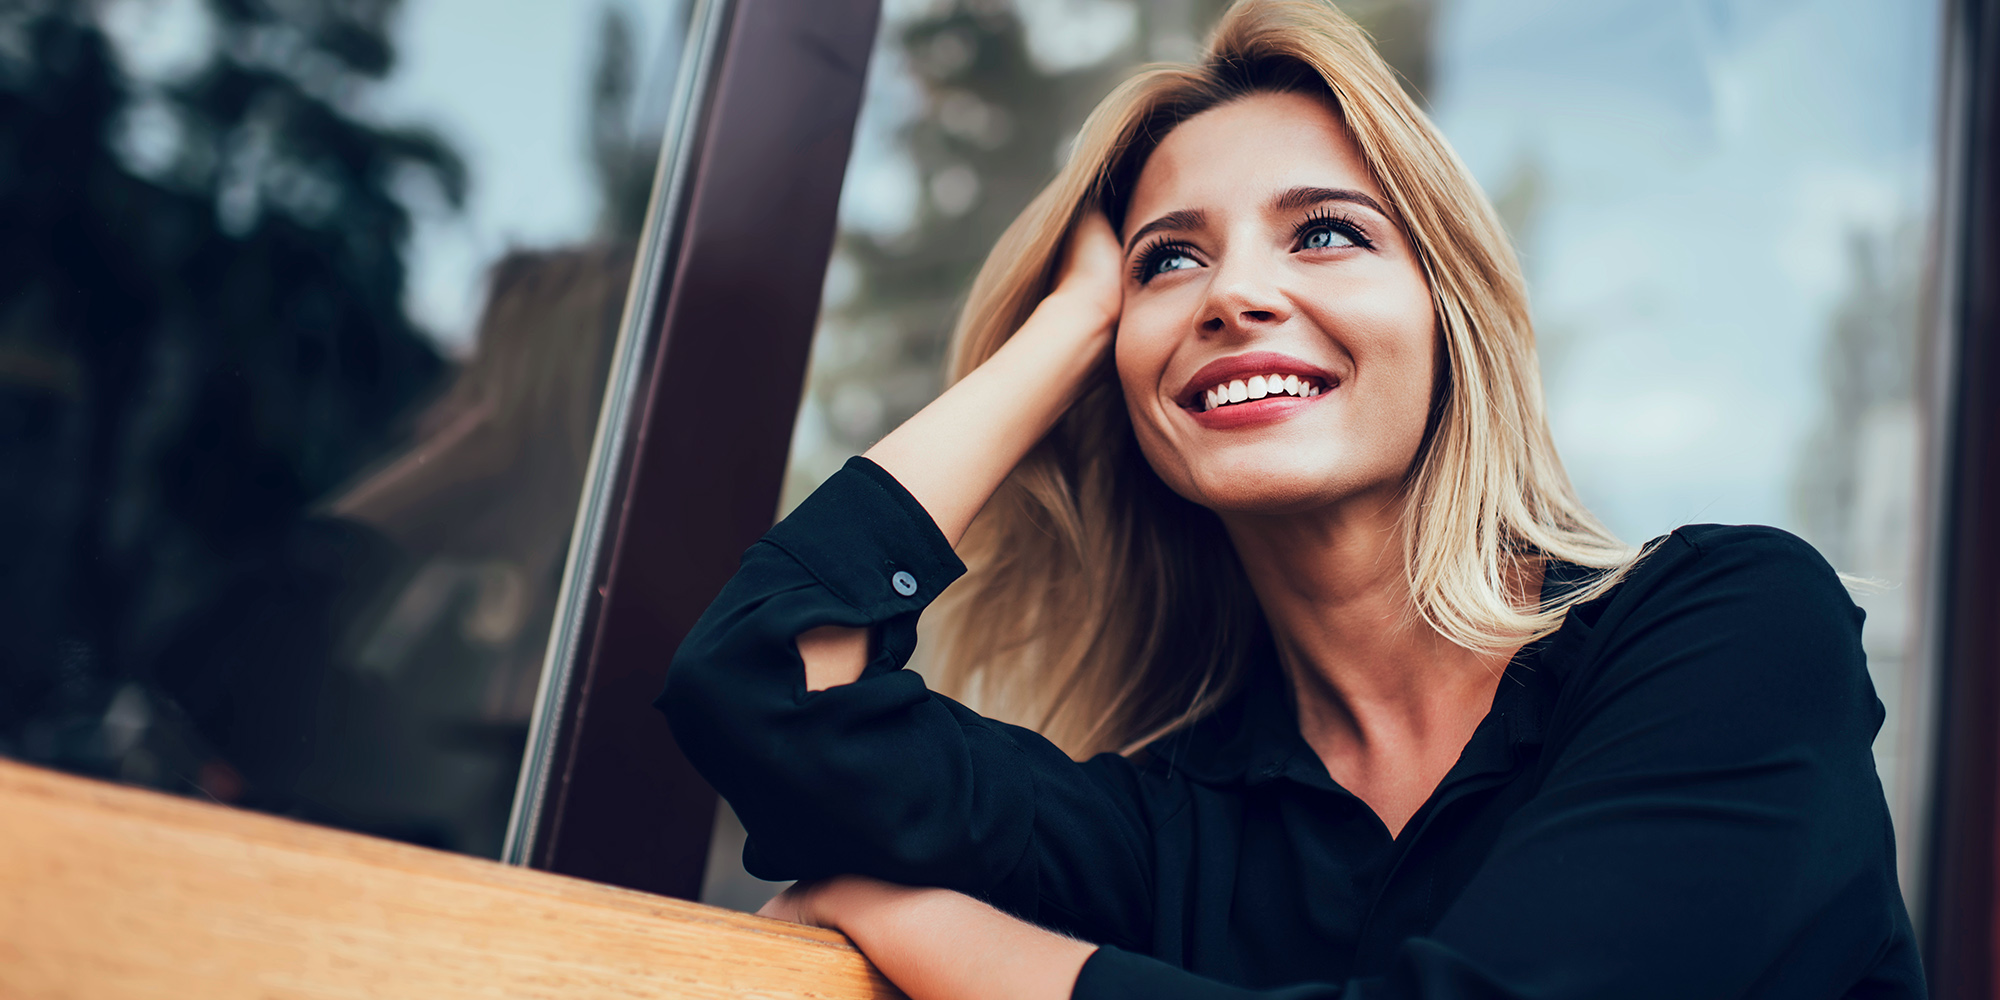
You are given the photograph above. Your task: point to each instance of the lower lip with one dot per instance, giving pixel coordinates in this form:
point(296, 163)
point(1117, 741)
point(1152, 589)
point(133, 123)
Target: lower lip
point(1256, 412)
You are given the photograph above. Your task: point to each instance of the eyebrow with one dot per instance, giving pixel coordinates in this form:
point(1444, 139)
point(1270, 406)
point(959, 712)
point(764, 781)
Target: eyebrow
point(1292, 200)
point(1179, 220)
point(1306, 197)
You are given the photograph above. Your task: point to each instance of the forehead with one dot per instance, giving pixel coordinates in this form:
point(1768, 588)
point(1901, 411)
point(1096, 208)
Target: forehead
point(1239, 154)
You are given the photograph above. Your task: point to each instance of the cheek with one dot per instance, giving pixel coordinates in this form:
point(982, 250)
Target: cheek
point(1144, 347)
point(1391, 330)
point(1423, 346)
point(1388, 329)
point(1407, 351)
point(1141, 351)
point(1407, 395)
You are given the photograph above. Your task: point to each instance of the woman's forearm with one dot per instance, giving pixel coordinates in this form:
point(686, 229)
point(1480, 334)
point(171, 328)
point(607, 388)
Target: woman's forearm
point(940, 945)
point(957, 451)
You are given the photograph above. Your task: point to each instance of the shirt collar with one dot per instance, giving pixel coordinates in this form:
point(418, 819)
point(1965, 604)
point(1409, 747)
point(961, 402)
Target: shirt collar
point(1253, 739)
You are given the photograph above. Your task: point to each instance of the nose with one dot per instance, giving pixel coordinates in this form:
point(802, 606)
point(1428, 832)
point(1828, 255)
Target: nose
point(1242, 298)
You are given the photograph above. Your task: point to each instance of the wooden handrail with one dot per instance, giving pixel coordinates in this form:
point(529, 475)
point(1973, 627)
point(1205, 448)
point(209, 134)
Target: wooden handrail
point(115, 892)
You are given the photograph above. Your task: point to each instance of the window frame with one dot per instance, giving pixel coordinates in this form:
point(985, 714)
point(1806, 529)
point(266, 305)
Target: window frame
point(745, 201)
point(1962, 866)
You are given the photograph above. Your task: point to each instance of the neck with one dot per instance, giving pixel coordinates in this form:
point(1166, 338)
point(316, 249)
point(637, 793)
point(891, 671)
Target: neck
point(1366, 668)
point(1384, 699)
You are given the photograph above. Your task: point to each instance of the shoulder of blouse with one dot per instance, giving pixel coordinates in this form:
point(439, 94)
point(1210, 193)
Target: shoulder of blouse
point(1743, 601)
point(1752, 566)
point(1698, 562)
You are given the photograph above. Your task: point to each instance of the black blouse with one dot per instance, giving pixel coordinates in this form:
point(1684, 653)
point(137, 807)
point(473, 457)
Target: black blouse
point(1673, 796)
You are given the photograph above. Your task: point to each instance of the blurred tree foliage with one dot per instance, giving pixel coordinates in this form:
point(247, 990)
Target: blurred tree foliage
point(624, 150)
point(1867, 442)
point(201, 332)
point(994, 124)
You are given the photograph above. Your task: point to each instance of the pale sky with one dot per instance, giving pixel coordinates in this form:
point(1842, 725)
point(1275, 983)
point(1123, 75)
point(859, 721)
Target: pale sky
point(507, 81)
point(1702, 163)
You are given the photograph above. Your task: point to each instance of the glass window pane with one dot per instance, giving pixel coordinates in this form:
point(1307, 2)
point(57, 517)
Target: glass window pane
point(1724, 209)
point(303, 335)
point(1726, 215)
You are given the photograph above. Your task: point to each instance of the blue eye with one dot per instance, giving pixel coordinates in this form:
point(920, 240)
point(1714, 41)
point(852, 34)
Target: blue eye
point(1162, 257)
point(1325, 231)
point(1321, 237)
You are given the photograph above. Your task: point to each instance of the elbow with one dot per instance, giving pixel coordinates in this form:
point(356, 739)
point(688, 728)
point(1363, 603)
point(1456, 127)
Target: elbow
point(695, 693)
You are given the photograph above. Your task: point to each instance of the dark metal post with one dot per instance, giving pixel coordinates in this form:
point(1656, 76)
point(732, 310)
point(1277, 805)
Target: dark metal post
point(1961, 935)
point(689, 475)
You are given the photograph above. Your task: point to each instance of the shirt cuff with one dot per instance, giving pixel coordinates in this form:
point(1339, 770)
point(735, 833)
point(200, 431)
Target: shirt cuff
point(870, 542)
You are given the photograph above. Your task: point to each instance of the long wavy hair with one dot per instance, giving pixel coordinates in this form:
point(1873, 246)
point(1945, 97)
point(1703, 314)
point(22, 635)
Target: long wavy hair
point(1105, 610)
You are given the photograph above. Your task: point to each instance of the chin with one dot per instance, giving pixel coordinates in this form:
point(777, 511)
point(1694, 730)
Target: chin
point(1304, 470)
point(1272, 488)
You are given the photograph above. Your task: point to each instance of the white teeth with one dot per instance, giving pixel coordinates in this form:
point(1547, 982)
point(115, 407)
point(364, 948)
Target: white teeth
point(1257, 387)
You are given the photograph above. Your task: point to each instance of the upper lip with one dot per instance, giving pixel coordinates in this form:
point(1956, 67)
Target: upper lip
point(1223, 370)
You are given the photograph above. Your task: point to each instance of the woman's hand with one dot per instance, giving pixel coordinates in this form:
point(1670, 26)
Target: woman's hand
point(955, 452)
point(1090, 284)
point(799, 903)
point(790, 905)
point(935, 944)
point(824, 902)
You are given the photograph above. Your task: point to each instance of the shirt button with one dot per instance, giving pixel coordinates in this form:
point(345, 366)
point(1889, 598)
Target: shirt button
point(904, 583)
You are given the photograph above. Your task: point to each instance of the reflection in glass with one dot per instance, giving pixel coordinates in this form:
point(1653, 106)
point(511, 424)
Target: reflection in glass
point(301, 351)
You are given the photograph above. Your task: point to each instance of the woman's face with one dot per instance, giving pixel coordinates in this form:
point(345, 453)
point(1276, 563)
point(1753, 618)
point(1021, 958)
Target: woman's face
point(1258, 245)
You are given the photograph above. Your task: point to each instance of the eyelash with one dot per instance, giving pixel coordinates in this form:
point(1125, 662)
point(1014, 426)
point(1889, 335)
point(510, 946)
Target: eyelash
point(1158, 250)
point(1162, 247)
point(1323, 219)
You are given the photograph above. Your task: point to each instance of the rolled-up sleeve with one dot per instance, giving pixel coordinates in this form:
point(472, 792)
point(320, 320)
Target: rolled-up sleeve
point(882, 776)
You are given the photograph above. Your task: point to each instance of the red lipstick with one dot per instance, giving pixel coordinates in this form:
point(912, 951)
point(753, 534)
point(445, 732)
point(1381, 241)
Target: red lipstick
point(1274, 406)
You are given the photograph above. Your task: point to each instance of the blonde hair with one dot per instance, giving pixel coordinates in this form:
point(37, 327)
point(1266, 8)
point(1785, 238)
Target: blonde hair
point(1105, 610)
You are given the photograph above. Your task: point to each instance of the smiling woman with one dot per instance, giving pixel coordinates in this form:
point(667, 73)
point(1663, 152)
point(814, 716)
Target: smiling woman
point(1290, 257)
point(1333, 687)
